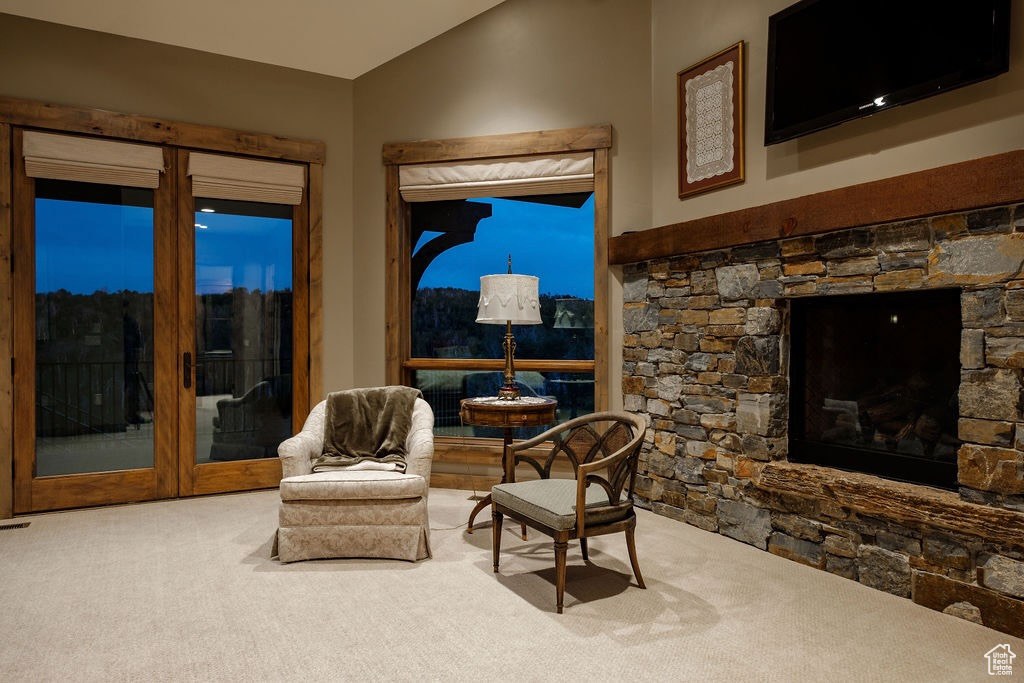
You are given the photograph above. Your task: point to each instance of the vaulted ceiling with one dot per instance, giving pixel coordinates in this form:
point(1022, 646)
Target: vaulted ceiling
point(343, 38)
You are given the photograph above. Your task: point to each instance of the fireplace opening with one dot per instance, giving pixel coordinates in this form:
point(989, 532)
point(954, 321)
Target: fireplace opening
point(874, 380)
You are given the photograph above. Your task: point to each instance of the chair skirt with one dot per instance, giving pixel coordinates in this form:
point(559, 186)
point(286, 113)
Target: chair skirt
point(324, 528)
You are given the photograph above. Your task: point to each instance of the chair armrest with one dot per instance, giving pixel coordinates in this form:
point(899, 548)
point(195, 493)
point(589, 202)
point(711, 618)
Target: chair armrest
point(297, 452)
point(231, 414)
point(419, 443)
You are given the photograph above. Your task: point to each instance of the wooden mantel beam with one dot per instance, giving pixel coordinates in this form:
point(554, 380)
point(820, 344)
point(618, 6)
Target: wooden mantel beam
point(968, 185)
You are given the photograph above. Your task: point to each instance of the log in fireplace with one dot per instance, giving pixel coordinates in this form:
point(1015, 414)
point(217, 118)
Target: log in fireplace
point(874, 380)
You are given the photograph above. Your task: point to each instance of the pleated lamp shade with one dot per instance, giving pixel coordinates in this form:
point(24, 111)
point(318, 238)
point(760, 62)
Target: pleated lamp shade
point(509, 298)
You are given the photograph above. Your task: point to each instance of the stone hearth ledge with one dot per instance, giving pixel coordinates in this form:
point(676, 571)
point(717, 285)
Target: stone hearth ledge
point(910, 504)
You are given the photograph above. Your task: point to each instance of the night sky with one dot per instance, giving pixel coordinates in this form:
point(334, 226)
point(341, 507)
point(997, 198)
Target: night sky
point(555, 243)
point(86, 247)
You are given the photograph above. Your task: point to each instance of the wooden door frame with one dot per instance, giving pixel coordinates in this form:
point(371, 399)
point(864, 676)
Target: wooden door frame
point(6, 328)
point(33, 494)
point(220, 477)
point(170, 133)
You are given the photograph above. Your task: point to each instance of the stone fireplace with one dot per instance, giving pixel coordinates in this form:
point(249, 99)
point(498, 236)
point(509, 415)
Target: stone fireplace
point(874, 381)
point(709, 356)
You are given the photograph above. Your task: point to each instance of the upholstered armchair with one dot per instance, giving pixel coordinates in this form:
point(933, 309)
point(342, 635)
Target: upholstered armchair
point(358, 510)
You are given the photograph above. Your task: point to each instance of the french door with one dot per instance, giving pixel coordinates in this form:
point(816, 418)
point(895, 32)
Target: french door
point(161, 344)
point(242, 337)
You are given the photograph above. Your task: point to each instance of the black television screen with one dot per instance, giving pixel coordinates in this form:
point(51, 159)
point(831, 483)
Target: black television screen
point(830, 61)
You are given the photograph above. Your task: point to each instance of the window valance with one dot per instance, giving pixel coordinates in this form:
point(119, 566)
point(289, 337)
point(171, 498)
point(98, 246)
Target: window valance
point(90, 160)
point(223, 177)
point(499, 177)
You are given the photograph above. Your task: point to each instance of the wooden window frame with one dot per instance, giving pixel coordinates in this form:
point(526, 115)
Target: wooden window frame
point(399, 365)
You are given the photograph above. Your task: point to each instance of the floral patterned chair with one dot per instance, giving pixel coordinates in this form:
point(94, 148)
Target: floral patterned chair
point(361, 510)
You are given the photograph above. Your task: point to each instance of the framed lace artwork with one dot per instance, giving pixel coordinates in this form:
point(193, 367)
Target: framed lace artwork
point(710, 105)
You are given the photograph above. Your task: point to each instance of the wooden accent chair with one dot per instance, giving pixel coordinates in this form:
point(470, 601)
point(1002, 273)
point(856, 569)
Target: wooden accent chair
point(603, 449)
point(354, 512)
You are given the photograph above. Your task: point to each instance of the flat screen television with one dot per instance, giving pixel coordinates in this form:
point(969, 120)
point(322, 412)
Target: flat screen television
point(831, 61)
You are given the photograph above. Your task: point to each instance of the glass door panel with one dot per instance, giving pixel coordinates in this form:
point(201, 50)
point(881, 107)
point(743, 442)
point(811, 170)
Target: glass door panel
point(94, 294)
point(243, 329)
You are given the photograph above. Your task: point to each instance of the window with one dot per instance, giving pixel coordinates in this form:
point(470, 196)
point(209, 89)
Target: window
point(454, 243)
point(439, 250)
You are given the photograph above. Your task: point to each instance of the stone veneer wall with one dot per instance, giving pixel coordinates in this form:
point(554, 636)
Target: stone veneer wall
point(705, 357)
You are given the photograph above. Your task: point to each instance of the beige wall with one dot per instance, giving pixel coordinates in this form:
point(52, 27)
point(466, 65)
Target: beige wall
point(63, 65)
point(524, 65)
point(532, 64)
point(978, 120)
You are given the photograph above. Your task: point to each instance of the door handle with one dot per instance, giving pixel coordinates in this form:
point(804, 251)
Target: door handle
point(186, 369)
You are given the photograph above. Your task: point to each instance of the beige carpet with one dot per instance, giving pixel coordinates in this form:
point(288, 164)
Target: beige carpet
point(185, 590)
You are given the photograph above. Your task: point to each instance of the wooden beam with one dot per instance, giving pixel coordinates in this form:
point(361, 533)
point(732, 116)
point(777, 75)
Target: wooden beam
point(469, 364)
point(908, 504)
point(166, 377)
point(186, 287)
point(964, 186)
point(23, 287)
point(161, 131)
point(396, 280)
point(6, 331)
point(301, 308)
point(464, 482)
point(602, 195)
point(473, 463)
point(487, 146)
point(316, 283)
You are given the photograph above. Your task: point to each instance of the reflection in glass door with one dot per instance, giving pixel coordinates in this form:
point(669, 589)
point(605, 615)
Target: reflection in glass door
point(243, 328)
point(94, 297)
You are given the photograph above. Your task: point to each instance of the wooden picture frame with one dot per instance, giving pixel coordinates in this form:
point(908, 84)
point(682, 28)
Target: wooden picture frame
point(710, 122)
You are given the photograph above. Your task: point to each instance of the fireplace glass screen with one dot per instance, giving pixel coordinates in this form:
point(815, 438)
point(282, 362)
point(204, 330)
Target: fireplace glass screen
point(874, 383)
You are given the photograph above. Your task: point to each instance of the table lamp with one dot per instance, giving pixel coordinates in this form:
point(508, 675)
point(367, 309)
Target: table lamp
point(509, 300)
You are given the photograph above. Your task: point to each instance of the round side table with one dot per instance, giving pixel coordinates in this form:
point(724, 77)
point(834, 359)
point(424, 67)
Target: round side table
point(508, 414)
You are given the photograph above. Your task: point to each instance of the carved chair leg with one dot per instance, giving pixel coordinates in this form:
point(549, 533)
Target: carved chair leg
point(631, 546)
point(561, 545)
point(495, 536)
point(583, 548)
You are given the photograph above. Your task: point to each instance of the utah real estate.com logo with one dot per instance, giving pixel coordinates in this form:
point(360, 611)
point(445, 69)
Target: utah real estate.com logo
point(1000, 660)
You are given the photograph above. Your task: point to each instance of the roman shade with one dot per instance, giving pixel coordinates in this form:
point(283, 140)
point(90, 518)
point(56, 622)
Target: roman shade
point(223, 177)
point(499, 177)
point(90, 160)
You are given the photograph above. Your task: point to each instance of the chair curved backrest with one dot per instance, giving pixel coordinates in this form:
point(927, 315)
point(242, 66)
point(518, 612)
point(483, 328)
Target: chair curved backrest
point(298, 452)
point(607, 441)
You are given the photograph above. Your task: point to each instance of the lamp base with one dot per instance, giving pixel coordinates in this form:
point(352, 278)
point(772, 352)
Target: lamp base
point(508, 392)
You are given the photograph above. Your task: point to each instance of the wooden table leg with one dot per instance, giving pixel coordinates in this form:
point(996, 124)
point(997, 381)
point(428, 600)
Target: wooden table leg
point(486, 502)
point(508, 473)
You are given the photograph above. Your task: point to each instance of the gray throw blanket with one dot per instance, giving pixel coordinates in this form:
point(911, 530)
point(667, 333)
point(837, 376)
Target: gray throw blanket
point(367, 428)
